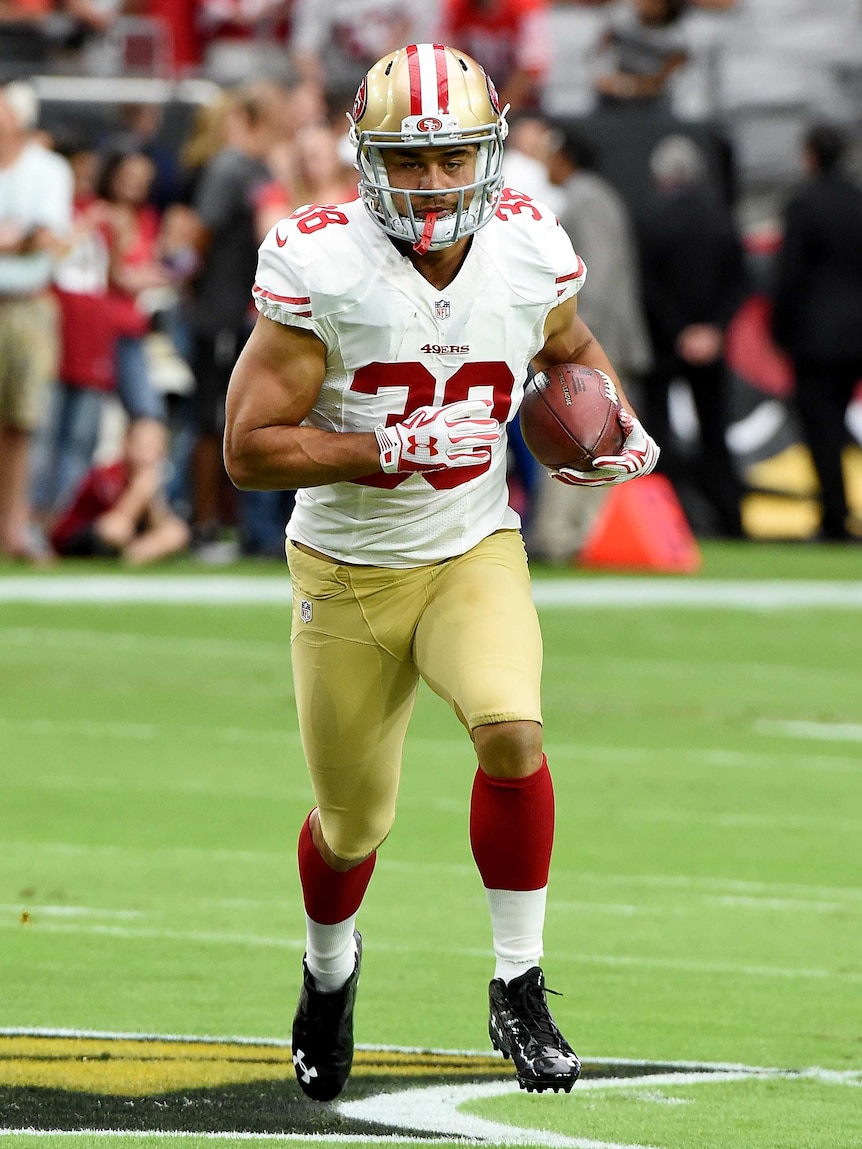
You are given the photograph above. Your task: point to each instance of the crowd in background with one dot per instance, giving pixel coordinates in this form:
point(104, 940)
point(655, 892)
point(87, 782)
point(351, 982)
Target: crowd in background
point(141, 256)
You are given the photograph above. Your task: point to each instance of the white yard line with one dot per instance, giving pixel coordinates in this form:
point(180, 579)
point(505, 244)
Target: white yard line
point(820, 731)
point(262, 941)
point(218, 590)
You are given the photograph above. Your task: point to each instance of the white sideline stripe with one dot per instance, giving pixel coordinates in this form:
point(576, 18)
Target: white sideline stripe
point(219, 590)
point(325, 1138)
point(212, 937)
point(824, 731)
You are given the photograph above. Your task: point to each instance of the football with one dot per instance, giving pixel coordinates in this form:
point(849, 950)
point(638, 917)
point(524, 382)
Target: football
point(569, 416)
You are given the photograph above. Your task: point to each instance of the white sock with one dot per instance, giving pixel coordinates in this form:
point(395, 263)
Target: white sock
point(330, 953)
point(517, 921)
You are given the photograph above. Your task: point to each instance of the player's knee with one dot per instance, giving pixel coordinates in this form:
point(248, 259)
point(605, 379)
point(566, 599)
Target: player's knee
point(509, 749)
point(352, 837)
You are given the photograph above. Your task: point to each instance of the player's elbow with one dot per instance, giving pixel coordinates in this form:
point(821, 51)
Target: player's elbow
point(242, 463)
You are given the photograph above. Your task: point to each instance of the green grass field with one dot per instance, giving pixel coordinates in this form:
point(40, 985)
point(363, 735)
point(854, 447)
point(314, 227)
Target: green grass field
point(706, 895)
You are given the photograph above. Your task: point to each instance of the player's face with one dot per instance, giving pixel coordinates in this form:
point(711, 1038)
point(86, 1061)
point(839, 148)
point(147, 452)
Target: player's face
point(430, 170)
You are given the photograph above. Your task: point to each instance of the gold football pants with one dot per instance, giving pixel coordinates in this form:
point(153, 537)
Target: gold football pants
point(361, 638)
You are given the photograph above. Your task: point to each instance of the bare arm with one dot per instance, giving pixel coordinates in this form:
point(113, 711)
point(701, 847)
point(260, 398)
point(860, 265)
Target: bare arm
point(569, 340)
point(274, 386)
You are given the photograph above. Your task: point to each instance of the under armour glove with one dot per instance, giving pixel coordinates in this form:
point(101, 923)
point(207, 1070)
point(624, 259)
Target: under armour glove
point(638, 456)
point(434, 438)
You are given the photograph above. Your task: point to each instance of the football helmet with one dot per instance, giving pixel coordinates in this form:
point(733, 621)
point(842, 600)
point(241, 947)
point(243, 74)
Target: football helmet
point(428, 95)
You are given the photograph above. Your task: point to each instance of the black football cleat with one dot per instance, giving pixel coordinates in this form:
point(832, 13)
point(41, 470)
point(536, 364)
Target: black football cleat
point(521, 1027)
point(322, 1043)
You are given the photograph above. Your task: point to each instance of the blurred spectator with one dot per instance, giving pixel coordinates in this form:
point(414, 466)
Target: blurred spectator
point(308, 170)
point(244, 38)
point(647, 46)
point(817, 315)
point(90, 321)
point(224, 207)
point(335, 42)
point(509, 38)
point(529, 147)
point(119, 509)
point(597, 221)
point(693, 281)
point(131, 227)
point(140, 125)
point(179, 17)
point(25, 37)
point(35, 218)
point(576, 34)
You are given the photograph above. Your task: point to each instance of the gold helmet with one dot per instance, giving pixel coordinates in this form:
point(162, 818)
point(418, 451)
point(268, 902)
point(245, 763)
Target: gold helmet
point(428, 95)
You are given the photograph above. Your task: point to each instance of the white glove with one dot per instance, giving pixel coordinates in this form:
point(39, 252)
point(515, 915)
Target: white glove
point(434, 438)
point(638, 456)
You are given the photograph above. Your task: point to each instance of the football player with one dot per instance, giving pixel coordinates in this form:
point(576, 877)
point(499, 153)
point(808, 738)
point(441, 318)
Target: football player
point(394, 337)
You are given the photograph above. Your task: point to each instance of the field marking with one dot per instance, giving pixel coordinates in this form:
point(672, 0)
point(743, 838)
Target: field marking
point(822, 731)
point(436, 1108)
point(223, 590)
point(214, 937)
point(561, 875)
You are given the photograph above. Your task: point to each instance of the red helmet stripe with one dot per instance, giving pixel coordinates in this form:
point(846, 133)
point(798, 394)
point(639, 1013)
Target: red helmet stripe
point(442, 78)
point(415, 74)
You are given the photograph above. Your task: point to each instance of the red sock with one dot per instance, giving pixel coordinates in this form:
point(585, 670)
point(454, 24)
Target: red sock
point(330, 897)
point(512, 829)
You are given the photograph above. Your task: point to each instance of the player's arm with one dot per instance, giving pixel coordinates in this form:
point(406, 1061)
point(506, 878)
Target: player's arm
point(274, 386)
point(569, 340)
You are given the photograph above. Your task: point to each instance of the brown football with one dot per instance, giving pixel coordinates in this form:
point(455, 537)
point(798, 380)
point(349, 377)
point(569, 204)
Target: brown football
point(569, 416)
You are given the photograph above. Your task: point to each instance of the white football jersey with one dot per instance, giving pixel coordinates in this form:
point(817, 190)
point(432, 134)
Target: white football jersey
point(394, 343)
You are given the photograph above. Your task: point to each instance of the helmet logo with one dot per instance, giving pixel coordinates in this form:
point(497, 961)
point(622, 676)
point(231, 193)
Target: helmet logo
point(492, 94)
point(429, 124)
point(360, 104)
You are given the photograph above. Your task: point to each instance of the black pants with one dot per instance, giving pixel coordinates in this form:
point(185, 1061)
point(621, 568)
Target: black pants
point(712, 472)
point(823, 393)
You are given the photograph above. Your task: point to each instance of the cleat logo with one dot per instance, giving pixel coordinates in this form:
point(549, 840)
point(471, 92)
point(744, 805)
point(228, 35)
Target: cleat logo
point(303, 1071)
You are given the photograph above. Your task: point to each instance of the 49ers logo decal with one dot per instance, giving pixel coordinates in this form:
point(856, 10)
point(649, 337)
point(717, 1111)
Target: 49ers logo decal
point(429, 124)
point(360, 103)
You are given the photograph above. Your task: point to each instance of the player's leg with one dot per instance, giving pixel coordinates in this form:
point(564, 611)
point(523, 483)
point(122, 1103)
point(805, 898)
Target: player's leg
point(479, 646)
point(354, 699)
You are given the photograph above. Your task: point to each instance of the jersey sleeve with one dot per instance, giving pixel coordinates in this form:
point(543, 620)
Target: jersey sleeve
point(281, 289)
point(571, 271)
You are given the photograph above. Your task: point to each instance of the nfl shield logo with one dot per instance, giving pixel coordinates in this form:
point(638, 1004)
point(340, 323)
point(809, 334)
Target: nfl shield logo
point(305, 610)
point(442, 308)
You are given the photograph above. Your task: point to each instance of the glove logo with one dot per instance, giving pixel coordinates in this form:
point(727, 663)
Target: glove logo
point(430, 445)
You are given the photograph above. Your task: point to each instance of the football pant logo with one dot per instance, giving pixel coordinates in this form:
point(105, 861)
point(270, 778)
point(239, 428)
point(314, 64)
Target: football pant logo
point(305, 610)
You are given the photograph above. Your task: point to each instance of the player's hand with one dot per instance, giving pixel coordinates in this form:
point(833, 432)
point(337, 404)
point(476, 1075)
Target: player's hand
point(434, 438)
point(638, 456)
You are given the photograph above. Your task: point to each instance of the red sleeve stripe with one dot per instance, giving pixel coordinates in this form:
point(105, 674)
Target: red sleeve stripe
point(573, 274)
point(290, 300)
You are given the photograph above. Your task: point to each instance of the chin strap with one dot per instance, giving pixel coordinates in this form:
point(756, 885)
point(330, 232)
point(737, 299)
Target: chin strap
point(424, 244)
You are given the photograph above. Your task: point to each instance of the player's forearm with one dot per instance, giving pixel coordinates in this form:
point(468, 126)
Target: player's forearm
point(579, 345)
point(281, 458)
